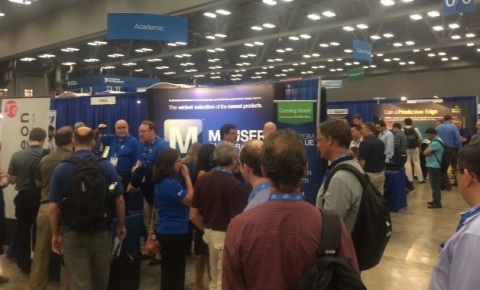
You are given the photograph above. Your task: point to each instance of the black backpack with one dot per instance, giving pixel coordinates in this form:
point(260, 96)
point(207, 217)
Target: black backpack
point(373, 226)
point(412, 138)
point(89, 204)
point(445, 161)
point(330, 271)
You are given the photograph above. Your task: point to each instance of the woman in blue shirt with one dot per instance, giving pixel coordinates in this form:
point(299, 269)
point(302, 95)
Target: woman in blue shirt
point(172, 201)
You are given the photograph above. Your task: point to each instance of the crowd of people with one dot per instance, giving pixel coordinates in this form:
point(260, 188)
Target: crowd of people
point(243, 208)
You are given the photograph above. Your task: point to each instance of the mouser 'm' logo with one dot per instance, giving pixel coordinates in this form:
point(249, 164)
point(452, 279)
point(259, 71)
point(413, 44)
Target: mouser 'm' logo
point(113, 80)
point(181, 133)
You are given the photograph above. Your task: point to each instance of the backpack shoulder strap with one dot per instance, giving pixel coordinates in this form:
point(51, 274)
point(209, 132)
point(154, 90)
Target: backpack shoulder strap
point(331, 234)
point(96, 158)
point(435, 154)
point(361, 176)
point(73, 159)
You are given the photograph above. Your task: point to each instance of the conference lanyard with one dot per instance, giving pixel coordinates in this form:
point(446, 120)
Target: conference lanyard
point(344, 157)
point(262, 186)
point(467, 216)
point(224, 170)
point(286, 196)
point(147, 150)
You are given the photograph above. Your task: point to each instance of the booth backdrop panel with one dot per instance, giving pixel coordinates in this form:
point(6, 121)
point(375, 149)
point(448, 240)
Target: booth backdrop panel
point(130, 107)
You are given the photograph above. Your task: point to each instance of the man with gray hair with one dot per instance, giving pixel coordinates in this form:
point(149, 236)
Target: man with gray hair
point(218, 198)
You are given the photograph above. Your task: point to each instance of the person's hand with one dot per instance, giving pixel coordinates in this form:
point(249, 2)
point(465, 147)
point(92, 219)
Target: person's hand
point(130, 187)
point(57, 244)
point(184, 171)
point(101, 127)
point(134, 168)
point(121, 232)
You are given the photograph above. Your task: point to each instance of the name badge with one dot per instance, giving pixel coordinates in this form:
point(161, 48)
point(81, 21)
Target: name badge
point(114, 161)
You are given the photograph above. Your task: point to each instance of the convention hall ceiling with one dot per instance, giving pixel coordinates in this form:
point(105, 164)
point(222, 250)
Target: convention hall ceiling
point(262, 40)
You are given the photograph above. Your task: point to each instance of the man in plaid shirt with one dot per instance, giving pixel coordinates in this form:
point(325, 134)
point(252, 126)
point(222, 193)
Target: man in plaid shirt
point(399, 145)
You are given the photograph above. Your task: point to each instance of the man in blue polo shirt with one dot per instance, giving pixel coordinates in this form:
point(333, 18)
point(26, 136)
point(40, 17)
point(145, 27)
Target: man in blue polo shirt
point(86, 255)
point(433, 159)
point(453, 142)
point(151, 147)
point(123, 153)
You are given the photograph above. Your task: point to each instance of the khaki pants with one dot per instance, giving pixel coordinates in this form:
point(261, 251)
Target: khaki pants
point(378, 180)
point(413, 156)
point(43, 251)
point(215, 241)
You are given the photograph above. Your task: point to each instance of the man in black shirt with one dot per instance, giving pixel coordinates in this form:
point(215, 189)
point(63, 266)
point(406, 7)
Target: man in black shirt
point(371, 155)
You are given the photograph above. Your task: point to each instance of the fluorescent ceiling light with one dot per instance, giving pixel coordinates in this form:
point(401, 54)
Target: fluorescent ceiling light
point(221, 35)
point(171, 44)
point(444, 58)
point(442, 53)
point(454, 57)
point(387, 35)
point(293, 38)
point(46, 55)
point(97, 43)
point(454, 26)
point(387, 2)
point(362, 26)
point(210, 37)
point(142, 50)
point(456, 37)
point(249, 44)
point(108, 67)
point(258, 43)
point(373, 66)
point(375, 37)
point(315, 54)
point(210, 14)
point(180, 43)
point(431, 54)
point(396, 59)
point(409, 42)
point(348, 28)
point(348, 50)
point(407, 1)
point(270, 2)
point(139, 69)
point(305, 36)
point(411, 62)
point(387, 60)
point(307, 56)
point(379, 54)
point(416, 50)
point(427, 49)
point(324, 45)
point(470, 35)
point(438, 28)
point(288, 49)
point(314, 16)
point(70, 49)
point(397, 44)
point(2, 14)
point(416, 17)
point(154, 60)
point(433, 14)
point(219, 49)
point(269, 25)
point(27, 59)
point(92, 60)
point(223, 12)
point(329, 13)
point(280, 50)
point(162, 67)
point(334, 43)
point(258, 28)
point(470, 44)
point(68, 63)
point(24, 2)
point(210, 50)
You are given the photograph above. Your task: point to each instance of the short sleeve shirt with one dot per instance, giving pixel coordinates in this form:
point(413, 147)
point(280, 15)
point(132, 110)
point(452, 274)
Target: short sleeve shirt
point(20, 166)
point(172, 213)
point(372, 151)
point(127, 151)
point(431, 161)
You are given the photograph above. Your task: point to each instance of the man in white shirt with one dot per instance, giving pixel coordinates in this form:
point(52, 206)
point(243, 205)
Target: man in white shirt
point(388, 139)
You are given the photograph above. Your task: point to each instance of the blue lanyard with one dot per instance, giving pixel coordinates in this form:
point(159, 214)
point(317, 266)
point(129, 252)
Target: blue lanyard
point(262, 186)
point(467, 216)
point(224, 170)
point(327, 172)
point(147, 150)
point(286, 196)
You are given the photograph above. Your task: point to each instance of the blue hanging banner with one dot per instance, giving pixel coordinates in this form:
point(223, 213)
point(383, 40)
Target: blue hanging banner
point(362, 50)
point(452, 7)
point(143, 26)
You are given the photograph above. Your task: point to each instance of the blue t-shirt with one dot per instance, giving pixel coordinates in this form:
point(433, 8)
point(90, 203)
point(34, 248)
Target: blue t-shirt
point(148, 153)
point(172, 213)
point(127, 151)
point(450, 135)
point(63, 172)
point(431, 161)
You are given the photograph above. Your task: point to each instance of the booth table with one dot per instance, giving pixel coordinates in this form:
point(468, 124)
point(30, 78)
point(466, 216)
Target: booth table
point(395, 190)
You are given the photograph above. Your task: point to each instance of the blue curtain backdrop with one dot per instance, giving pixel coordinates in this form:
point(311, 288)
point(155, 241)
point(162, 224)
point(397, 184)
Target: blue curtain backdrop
point(131, 107)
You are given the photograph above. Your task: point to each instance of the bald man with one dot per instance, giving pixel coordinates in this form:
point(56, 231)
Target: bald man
point(252, 173)
point(268, 129)
point(123, 153)
point(86, 254)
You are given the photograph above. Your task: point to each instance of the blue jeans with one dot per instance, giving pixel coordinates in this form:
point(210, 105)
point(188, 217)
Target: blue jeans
point(435, 175)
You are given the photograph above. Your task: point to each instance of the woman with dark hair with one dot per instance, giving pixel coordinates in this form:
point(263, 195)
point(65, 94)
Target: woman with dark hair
point(172, 201)
point(204, 164)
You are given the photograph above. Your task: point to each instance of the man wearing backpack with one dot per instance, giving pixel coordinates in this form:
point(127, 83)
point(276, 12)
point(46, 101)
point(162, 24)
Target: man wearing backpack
point(271, 245)
point(345, 190)
point(85, 240)
point(414, 143)
point(26, 201)
point(434, 153)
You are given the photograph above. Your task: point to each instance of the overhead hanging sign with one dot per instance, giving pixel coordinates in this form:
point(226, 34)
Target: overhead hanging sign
point(332, 84)
point(143, 26)
point(362, 50)
point(356, 74)
point(452, 7)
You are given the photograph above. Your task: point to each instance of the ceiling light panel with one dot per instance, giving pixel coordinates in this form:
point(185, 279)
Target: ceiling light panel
point(46, 55)
point(314, 16)
point(270, 2)
point(257, 28)
point(416, 16)
point(362, 26)
point(438, 28)
point(24, 2)
point(348, 28)
point(70, 49)
point(433, 14)
point(454, 26)
point(223, 12)
point(269, 25)
point(329, 13)
point(387, 2)
point(210, 14)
